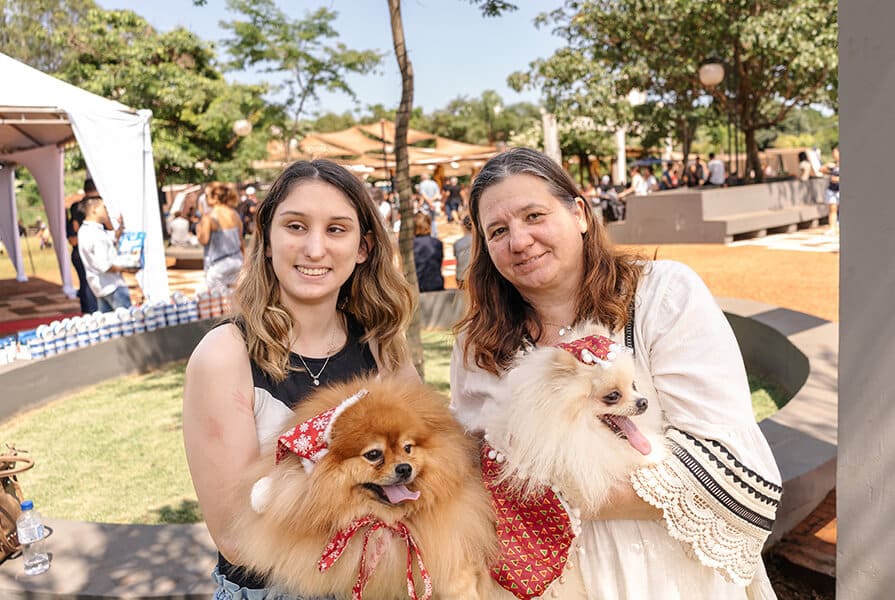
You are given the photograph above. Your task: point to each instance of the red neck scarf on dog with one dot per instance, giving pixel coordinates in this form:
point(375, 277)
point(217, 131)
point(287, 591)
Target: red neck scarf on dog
point(339, 542)
point(535, 534)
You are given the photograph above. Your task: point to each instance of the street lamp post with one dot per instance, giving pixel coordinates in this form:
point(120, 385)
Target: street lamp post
point(635, 99)
point(712, 72)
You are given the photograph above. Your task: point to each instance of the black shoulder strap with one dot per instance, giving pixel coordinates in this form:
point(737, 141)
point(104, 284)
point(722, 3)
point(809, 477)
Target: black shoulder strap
point(629, 327)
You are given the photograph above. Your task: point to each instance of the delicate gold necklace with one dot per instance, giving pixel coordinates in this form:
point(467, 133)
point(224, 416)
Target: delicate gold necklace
point(315, 378)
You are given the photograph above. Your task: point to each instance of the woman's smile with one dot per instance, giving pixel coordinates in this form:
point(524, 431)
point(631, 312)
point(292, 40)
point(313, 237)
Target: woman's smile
point(315, 272)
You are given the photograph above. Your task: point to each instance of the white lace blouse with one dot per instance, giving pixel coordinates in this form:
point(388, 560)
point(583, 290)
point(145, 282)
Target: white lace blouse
point(719, 490)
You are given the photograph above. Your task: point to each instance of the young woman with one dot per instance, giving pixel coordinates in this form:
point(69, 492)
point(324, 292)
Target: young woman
point(320, 301)
point(541, 262)
point(220, 232)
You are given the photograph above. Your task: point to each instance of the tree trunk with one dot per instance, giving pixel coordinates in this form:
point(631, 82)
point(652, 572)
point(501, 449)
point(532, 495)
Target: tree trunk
point(753, 162)
point(402, 178)
point(686, 142)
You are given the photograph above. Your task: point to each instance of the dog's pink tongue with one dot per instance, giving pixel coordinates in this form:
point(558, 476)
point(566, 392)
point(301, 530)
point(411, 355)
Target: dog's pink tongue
point(399, 493)
point(635, 438)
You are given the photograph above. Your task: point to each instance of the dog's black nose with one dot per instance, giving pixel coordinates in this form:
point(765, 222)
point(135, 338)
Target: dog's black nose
point(403, 470)
point(641, 404)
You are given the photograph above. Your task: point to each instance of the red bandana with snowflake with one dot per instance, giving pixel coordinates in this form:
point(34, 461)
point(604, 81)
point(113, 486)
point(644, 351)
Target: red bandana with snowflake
point(368, 563)
point(592, 347)
point(310, 439)
point(535, 535)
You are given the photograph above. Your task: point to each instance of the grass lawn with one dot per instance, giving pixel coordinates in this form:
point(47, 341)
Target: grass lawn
point(39, 263)
point(114, 453)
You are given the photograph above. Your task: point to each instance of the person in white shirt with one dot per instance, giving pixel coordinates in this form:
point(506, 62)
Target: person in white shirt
point(430, 194)
point(693, 525)
point(716, 171)
point(97, 247)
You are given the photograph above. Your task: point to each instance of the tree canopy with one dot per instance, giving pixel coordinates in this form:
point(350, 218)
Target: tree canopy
point(778, 54)
point(304, 54)
point(119, 55)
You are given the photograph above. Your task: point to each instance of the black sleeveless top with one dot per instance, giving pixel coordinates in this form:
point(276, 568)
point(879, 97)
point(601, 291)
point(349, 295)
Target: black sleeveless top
point(353, 360)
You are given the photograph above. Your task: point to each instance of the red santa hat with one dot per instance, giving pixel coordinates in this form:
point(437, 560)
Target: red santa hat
point(310, 439)
point(594, 349)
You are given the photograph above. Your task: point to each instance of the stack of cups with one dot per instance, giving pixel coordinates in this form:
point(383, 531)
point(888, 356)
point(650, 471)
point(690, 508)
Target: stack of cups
point(124, 318)
point(114, 324)
point(37, 344)
point(225, 301)
point(192, 310)
point(82, 335)
point(216, 307)
point(46, 333)
point(71, 334)
point(58, 329)
point(170, 311)
point(93, 326)
point(149, 317)
point(203, 299)
point(139, 319)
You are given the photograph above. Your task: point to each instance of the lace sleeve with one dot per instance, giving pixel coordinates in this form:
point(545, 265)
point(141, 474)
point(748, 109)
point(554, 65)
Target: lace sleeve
point(721, 510)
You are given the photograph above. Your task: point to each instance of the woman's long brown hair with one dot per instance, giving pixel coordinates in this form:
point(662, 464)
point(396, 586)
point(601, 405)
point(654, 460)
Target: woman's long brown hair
point(376, 293)
point(497, 317)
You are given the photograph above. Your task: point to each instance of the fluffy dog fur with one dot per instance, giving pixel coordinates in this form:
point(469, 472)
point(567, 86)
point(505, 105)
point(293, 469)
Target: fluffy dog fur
point(452, 520)
point(548, 421)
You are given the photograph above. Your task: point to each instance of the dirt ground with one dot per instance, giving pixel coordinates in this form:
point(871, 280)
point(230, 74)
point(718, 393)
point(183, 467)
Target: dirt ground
point(803, 281)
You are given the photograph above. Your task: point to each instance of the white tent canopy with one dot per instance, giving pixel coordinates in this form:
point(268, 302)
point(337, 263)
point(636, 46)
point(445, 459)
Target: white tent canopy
point(38, 115)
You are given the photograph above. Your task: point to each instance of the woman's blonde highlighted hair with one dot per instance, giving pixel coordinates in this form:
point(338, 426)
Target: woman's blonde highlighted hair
point(376, 294)
point(497, 317)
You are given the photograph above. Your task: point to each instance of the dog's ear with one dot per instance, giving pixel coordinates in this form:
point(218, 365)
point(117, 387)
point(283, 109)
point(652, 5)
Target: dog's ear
point(564, 362)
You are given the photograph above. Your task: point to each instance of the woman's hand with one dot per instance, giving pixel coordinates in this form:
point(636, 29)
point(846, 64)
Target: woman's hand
point(625, 504)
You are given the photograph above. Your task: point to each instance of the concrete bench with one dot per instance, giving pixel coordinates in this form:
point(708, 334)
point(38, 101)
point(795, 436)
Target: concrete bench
point(99, 561)
point(186, 257)
point(759, 223)
point(716, 215)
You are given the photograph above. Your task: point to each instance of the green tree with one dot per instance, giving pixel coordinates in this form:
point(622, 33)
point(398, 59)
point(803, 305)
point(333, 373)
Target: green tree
point(778, 54)
point(30, 30)
point(117, 54)
point(303, 53)
point(483, 120)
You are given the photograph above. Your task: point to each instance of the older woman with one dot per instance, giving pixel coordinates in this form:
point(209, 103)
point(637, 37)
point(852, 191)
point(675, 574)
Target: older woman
point(692, 526)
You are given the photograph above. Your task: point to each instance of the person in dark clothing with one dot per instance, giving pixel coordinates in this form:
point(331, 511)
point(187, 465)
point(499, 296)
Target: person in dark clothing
point(73, 221)
point(428, 253)
point(453, 198)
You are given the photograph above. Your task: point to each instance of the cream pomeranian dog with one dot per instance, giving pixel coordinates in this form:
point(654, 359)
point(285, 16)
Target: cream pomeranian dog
point(374, 491)
point(563, 420)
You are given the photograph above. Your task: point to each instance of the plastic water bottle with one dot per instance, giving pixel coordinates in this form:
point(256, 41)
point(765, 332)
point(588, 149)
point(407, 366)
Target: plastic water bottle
point(31, 536)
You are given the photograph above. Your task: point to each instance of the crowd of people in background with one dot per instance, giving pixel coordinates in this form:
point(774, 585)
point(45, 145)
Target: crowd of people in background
point(218, 217)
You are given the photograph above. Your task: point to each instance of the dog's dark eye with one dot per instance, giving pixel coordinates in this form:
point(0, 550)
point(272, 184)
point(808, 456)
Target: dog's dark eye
point(408, 448)
point(612, 397)
point(373, 455)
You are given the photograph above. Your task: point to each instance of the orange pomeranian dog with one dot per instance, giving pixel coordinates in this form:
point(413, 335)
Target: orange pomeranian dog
point(374, 491)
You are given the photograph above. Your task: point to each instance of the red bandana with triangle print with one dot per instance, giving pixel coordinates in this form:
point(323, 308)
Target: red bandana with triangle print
point(534, 532)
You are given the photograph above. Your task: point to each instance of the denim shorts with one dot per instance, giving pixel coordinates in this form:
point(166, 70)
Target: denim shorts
point(119, 298)
point(227, 590)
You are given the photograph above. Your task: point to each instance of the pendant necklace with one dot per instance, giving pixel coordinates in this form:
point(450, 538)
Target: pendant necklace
point(563, 329)
point(315, 378)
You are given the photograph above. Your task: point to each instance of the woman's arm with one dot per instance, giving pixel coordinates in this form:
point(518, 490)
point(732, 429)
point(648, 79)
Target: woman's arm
point(205, 227)
point(404, 370)
point(219, 428)
point(720, 487)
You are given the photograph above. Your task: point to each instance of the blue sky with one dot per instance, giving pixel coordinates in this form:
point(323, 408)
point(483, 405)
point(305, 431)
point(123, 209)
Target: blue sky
point(454, 50)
